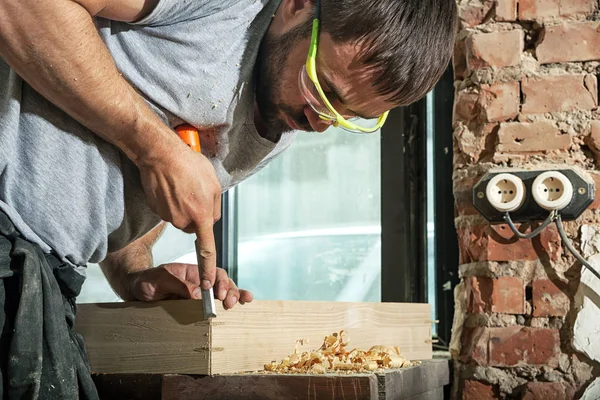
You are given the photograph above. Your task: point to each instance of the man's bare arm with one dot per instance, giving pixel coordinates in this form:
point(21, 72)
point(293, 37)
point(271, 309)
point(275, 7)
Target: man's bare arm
point(54, 46)
point(119, 10)
point(137, 256)
point(130, 273)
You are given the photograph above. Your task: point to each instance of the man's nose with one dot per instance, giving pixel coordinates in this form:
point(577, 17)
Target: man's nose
point(317, 124)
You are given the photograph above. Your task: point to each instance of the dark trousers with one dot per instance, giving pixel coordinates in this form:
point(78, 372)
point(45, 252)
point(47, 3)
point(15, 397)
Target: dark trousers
point(41, 357)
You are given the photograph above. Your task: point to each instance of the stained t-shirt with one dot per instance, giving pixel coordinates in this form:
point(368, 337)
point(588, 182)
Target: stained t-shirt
point(77, 195)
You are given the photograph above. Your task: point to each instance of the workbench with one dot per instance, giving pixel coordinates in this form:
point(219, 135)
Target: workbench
point(426, 381)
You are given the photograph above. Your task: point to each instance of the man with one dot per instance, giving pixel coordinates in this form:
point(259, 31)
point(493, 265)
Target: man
point(90, 92)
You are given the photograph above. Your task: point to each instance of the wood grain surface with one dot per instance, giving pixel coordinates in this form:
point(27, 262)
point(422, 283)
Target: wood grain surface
point(136, 337)
point(247, 338)
point(171, 337)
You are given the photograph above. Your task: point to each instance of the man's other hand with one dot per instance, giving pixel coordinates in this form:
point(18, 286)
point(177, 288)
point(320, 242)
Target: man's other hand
point(180, 281)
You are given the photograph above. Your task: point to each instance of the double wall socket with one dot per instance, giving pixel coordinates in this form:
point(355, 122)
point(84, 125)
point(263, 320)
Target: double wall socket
point(530, 195)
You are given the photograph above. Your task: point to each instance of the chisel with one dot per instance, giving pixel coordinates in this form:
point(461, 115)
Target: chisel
point(190, 136)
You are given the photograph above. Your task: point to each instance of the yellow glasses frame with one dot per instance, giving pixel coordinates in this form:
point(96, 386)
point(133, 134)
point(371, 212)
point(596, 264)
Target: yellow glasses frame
point(311, 70)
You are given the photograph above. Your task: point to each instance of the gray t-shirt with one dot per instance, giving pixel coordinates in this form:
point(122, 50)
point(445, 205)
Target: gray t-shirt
point(70, 191)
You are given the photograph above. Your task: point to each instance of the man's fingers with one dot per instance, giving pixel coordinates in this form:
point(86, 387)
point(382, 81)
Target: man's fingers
point(222, 284)
point(245, 296)
point(233, 295)
point(227, 291)
point(207, 255)
point(171, 285)
point(217, 208)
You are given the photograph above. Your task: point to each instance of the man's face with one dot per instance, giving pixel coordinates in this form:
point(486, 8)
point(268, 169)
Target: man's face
point(345, 81)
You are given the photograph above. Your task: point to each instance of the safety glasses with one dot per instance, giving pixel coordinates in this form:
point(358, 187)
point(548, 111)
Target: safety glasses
point(315, 97)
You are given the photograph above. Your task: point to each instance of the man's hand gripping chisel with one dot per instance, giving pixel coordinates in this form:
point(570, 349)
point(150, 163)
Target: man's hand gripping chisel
point(190, 136)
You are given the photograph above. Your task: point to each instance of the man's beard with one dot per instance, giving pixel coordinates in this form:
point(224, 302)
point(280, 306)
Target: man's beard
point(272, 62)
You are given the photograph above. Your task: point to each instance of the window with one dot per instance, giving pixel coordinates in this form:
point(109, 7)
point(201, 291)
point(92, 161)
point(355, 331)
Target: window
point(308, 225)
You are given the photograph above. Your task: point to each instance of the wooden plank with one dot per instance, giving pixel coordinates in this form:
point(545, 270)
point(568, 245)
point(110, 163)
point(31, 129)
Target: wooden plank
point(269, 387)
point(137, 337)
point(412, 382)
point(249, 337)
point(171, 337)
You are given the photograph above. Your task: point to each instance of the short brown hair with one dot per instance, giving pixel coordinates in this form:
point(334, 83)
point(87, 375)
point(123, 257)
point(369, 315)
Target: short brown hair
point(408, 43)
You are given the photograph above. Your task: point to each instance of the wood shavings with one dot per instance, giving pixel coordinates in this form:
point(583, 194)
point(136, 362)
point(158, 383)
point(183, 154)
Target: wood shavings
point(333, 356)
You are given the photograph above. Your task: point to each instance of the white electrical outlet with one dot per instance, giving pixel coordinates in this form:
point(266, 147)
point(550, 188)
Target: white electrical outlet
point(506, 192)
point(531, 194)
point(552, 190)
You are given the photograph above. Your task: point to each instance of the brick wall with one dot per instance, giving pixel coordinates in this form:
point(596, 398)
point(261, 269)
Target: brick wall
point(526, 75)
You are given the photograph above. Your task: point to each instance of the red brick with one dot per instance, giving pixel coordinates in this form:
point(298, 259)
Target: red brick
point(593, 141)
point(466, 106)
point(572, 7)
point(505, 294)
point(569, 42)
point(530, 10)
point(498, 49)
point(475, 390)
point(527, 137)
point(545, 391)
point(510, 346)
point(538, 9)
point(498, 243)
point(490, 103)
point(594, 138)
point(548, 299)
point(474, 345)
point(471, 145)
point(466, 183)
point(472, 14)
point(559, 93)
point(499, 102)
point(515, 345)
point(463, 203)
point(506, 10)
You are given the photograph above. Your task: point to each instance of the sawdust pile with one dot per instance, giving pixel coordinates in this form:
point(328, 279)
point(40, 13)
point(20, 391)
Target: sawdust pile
point(333, 356)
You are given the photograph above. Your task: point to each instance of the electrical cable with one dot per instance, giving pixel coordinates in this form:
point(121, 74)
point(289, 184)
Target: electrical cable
point(570, 247)
point(556, 218)
point(533, 234)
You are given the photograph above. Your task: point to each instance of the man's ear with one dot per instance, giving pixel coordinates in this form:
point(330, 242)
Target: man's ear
point(292, 13)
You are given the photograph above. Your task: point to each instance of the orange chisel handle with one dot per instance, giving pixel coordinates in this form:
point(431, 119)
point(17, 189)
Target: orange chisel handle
point(190, 136)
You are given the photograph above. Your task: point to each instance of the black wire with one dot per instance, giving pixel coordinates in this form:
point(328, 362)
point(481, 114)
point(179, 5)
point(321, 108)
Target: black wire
point(570, 247)
point(533, 234)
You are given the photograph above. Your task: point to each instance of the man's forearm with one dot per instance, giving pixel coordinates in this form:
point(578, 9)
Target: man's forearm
point(55, 47)
point(118, 266)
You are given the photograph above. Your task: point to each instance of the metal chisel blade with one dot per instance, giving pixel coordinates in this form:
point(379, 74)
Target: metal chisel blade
point(208, 296)
point(208, 303)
